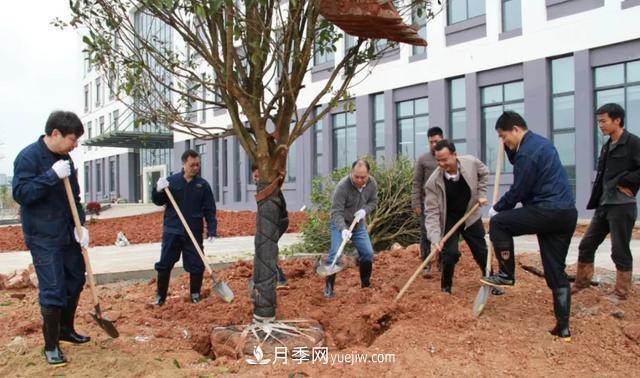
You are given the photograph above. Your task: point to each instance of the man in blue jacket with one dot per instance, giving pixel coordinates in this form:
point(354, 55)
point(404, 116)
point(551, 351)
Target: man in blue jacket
point(195, 200)
point(614, 198)
point(48, 228)
point(548, 210)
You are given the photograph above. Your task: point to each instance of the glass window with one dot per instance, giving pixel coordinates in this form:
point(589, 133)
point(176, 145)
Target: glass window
point(116, 119)
point(413, 123)
point(225, 161)
point(215, 154)
point(98, 92)
point(620, 84)
point(112, 176)
point(460, 10)
point(101, 124)
point(201, 149)
point(318, 143)
point(203, 108)
point(511, 15)
point(86, 98)
point(421, 23)
point(495, 100)
point(291, 160)
point(562, 77)
point(98, 177)
point(378, 127)
point(322, 54)
point(458, 114)
point(344, 139)
point(563, 114)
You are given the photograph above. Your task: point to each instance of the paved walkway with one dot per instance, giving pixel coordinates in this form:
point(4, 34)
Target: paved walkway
point(111, 263)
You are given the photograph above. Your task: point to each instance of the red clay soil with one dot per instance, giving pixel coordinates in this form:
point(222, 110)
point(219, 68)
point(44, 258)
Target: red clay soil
point(429, 333)
point(147, 228)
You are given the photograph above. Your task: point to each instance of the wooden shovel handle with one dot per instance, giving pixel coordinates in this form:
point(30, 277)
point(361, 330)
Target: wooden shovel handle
point(85, 253)
point(188, 229)
point(432, 253)
point(496, 193)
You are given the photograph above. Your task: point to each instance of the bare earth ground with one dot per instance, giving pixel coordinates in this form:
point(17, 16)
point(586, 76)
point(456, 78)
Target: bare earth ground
point(147, 228)
point(428, 332)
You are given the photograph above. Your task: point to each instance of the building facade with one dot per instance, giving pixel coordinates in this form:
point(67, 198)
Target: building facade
point(554, 61)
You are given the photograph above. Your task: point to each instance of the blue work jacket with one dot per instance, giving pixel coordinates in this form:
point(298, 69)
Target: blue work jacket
point(539, 179)
point(195, 200)
point(44, 208)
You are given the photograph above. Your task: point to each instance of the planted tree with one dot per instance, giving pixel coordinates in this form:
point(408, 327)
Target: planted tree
point(256, 55)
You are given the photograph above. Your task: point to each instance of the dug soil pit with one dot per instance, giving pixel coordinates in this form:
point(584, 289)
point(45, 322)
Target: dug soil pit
point(426, 333)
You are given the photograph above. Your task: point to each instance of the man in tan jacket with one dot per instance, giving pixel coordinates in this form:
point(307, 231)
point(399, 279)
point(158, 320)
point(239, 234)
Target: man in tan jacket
point(425, 165)
point(454, 188)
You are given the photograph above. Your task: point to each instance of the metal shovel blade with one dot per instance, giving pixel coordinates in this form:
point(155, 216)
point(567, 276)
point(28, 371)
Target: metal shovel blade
point(326, 270)
point(481, 300)
point(105, 324)
point(223, 291)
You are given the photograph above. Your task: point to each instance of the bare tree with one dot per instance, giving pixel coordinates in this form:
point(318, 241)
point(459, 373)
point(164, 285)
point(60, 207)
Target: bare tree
point(255, 55)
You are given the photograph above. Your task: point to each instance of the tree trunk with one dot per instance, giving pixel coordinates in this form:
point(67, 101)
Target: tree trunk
point(271, 222)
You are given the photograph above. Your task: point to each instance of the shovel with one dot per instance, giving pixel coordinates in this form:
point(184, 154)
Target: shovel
point(221, 288)
point(433, 251)
point(485, 290)
point(105, 324)
point(329, 269)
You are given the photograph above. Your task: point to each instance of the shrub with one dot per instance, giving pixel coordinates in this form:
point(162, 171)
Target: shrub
point(393, 220)
point(93, 208)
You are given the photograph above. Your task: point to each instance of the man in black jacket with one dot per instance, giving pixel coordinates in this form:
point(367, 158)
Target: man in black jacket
point(613, 196)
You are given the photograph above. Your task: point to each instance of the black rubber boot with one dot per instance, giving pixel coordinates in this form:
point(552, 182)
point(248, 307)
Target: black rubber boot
point(446, 280)
point(51, 333)
point(162, 288)
point(67, 330)
point(365, 273)
point(330, 281)
point(562, 310)
point(195, 283)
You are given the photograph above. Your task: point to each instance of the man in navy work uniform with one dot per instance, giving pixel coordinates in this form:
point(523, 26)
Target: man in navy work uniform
point(548, 210)
point(48, 228)
point(355, 196)
point(195, 200)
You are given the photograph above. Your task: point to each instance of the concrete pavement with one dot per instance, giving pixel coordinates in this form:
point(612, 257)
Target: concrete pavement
point(111, 263)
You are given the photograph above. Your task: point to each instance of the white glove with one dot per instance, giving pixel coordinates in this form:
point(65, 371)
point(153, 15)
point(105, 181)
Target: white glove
point(492, 212)
point(161, 184)
point(210, 239)
point(359, 215)
point(62, 168)
point(346, 234)
point(85, 237)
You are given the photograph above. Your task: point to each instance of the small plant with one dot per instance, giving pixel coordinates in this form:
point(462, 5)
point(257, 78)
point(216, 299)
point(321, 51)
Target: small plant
point(93, 208)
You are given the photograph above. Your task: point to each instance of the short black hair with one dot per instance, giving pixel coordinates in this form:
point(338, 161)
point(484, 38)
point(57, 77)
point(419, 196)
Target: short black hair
point(433, 131)
point(189, 153)
point(613, 110)
point(366, 164)
point(65, 122)
point(508, 119)
point(446, 143)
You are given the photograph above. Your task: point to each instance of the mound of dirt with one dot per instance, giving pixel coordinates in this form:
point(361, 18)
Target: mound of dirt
point(425, 333)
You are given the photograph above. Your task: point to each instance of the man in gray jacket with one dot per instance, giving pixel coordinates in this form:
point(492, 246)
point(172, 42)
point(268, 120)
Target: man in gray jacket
point(425, 166)
point(453, 189)
point(356, 195)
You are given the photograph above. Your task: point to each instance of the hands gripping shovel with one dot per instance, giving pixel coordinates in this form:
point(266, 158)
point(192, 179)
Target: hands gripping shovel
point(105, 324)
point(326, 270)
point(219, 287)
point(433, 251)
point(485, 290)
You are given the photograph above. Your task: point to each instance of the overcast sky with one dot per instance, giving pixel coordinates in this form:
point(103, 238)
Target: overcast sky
point(40, 71)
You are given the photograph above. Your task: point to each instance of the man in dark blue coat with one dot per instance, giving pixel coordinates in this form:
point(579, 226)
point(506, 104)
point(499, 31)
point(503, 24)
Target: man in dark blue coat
point(195, 200)
point(548, 210)
point(48, 228)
